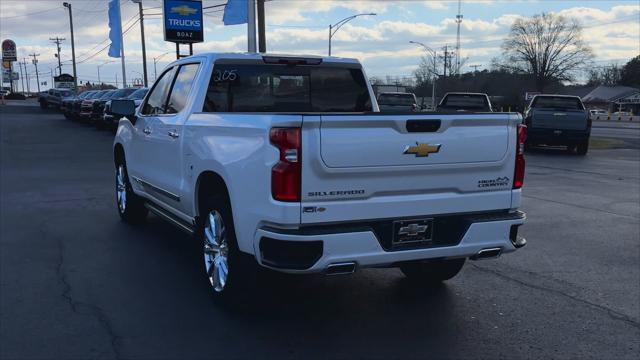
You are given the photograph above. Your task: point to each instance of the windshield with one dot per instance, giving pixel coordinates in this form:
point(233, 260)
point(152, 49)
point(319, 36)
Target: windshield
point(122, 93)
point(65, 93)
point(281, 88)
point(465, 102)
point(106, 94)
point(138, 94)
point(396, 99)
point(557, 102)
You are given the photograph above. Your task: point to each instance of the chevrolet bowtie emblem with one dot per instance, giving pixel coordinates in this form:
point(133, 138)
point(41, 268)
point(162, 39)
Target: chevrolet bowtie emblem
point(421, 150)
point(413, 229)
point(184, 10)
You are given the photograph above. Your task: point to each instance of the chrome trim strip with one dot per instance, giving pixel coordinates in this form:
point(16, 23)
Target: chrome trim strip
point(168, 217)
point(160, 191)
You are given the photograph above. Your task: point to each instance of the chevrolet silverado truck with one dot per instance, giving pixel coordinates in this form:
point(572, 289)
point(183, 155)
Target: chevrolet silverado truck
point(558, 120)
point(286, 162)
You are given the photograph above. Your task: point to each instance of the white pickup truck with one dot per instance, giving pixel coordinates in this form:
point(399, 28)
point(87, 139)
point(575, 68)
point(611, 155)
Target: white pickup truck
point(286, 162)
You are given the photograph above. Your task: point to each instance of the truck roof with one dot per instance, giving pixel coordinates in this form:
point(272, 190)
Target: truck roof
point(259, 56)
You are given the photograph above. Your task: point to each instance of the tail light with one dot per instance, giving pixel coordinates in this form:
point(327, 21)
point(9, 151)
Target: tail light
point(518, 176)
point(286, 175)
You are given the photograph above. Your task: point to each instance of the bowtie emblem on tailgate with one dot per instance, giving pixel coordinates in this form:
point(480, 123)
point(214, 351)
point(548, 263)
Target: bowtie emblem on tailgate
point(421, 149)
point(413, 229)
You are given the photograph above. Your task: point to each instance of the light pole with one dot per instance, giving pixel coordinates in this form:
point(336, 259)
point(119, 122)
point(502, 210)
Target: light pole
point(105, 63)
point(73, 46)
point(433, 72)
point(155, 61)
point(335, 27)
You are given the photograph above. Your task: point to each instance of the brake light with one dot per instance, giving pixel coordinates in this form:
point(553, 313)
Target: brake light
point(518, 176)
point(286, 175)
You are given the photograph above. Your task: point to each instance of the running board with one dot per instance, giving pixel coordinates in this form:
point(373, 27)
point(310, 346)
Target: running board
point(164, 214)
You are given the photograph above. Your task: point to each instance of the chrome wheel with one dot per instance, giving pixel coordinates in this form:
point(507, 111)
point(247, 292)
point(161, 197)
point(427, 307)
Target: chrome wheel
point(121, 188)
point(216, 251)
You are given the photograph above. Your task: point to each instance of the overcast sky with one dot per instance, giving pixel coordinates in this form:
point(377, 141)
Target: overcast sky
point(381, 42)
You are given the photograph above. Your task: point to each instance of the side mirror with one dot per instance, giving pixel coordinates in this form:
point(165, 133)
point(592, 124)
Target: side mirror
point(124, 108)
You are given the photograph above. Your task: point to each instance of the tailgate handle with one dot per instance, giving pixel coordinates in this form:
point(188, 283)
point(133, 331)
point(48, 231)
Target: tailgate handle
point(430, 125)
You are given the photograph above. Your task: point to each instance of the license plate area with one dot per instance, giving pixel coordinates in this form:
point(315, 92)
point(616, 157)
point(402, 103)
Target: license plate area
point(412, 232)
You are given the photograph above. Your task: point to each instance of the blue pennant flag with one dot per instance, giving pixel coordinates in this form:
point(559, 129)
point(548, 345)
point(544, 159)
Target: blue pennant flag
point(235, 12)
point(115, 29)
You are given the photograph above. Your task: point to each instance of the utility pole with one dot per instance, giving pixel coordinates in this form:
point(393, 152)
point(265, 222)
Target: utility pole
point(251, 26)
point(475, 67)
point(116, 81)
point(35, 62)
point(446, 53)
point(73, 46)
point(262, 40)
point(21, 77)
point(144, 50)
point(57, 41)
point(26, 74)
point(124, 76)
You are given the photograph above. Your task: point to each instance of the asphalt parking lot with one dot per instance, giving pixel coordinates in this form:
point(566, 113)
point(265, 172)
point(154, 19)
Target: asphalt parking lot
point(78, 283)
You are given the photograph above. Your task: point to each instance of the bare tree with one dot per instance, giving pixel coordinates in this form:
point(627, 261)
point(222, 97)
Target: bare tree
point(548, 47)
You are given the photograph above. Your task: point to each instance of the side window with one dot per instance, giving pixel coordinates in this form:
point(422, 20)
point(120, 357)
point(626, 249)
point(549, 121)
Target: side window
point(181, 88)
point(158, 98)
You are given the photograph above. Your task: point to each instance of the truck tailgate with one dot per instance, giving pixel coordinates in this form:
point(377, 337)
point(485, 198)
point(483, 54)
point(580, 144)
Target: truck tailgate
point(559, 119)
point(389, 166)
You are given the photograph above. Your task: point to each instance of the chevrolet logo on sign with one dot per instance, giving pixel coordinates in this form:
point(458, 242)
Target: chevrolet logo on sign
point(184, 10)
point(421, 150)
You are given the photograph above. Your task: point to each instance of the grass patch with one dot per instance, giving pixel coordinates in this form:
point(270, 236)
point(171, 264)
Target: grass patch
point(601, 143)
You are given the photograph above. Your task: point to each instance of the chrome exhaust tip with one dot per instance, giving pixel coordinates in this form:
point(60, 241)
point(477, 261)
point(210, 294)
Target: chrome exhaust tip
point(488, 253)
point(343, 268)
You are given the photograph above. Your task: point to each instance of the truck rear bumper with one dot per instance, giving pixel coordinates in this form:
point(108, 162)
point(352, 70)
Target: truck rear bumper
point(556, 136)
point(316, 249)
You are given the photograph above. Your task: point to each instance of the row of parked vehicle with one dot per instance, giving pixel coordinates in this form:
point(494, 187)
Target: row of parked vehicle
point(552, 120)
point(91, 106)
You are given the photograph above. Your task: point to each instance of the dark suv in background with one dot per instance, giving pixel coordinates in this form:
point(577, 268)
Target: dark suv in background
point(558, 120)
point(99, 105)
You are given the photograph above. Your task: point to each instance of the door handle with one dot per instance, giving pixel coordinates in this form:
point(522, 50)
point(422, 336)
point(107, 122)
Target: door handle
point(174, 134)
point(146, 131)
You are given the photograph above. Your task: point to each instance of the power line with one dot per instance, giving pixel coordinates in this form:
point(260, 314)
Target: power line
point(29, 14)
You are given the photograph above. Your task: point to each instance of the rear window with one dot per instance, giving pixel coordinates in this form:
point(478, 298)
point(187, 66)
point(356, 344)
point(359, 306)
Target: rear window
point(138, 94)
point(396, 99)
point(281, 88)
point(66, 93)
point(557, 102)
point(465, 101)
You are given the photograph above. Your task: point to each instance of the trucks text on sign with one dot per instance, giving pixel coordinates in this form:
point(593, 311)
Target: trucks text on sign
point(183, 21)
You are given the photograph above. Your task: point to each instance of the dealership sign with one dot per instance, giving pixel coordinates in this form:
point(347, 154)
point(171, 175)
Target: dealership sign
point(9, 51)
point(183, 21)
point(63, 81)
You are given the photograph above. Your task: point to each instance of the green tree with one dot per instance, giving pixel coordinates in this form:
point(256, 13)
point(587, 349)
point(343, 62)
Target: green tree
point(630, 74)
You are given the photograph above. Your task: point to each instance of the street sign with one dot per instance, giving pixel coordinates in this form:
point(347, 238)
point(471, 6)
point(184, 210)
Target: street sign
point(6, 64)
point(9, 51)
point(8, 75)
point(63, 81)
point(183, 21)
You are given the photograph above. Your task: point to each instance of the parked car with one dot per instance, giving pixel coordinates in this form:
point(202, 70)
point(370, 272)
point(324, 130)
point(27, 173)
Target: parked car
point(54, 98)
point(287, 163)
point(68, 103)
point(397, 101)
point(86, 107)
point(558, 120)
point(463, 101)
point(621, 113)
point(97, 115)
point(77, 102)
point(108, 118)
point(598, 112)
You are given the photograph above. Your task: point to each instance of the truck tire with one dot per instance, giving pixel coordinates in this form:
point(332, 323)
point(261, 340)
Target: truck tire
point(130, 206)
point(583, 147)
point(432, 271)
point(230, 272)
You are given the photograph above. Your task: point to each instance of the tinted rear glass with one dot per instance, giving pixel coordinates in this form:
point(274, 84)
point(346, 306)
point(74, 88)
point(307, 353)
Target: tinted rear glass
point(396, 99)
point(281, 88)
point(66, 93)
point(557, 102)
point(463, 101)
